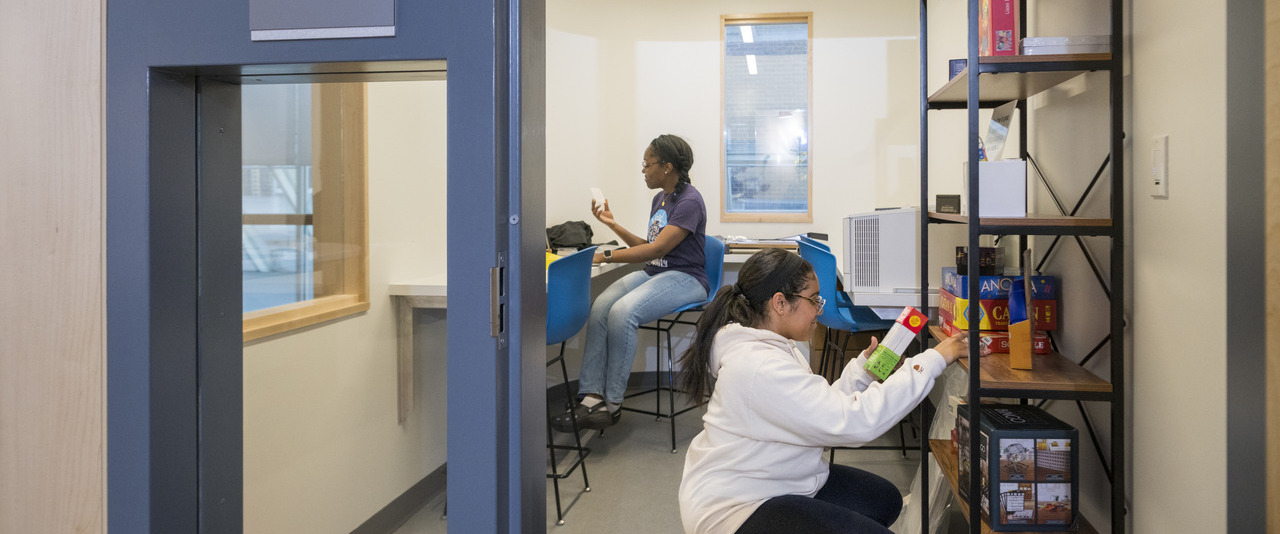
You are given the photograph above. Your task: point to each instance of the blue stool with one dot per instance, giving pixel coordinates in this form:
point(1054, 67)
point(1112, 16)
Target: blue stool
point(842, 319)
point(568, 304)
point(713, 249)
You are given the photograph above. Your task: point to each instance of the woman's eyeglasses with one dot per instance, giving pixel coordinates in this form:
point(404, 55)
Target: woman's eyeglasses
point(817, 301)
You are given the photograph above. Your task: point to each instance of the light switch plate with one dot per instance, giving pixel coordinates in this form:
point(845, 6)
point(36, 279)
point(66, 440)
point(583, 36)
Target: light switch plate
point(1160, 167)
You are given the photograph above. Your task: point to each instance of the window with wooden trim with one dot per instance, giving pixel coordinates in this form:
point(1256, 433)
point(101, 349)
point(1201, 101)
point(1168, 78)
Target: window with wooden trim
point(304, 229)
point(766, 80)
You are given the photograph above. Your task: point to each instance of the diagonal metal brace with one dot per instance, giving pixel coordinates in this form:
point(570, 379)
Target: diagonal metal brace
point(1093, 264)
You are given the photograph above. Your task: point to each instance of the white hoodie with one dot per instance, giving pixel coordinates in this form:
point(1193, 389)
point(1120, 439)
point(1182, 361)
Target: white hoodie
point(770, 417)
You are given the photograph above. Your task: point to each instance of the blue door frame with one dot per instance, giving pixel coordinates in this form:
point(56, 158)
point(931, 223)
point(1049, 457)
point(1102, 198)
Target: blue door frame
point(173, 341)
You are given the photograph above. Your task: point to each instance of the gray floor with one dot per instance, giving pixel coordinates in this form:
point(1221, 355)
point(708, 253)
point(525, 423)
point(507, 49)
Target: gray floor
point(634, 478)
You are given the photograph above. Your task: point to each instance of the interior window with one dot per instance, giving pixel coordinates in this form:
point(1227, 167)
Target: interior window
point(766, 80)
point(304, 250)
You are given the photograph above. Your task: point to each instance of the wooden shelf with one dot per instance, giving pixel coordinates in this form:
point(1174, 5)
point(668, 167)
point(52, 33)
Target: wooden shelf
point(1005, 78)
point(945, 454)
point(1051, 372)
point(1031, 220)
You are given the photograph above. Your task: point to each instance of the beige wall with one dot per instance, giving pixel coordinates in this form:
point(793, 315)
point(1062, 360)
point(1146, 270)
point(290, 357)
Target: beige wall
point(52, 396)
point(323, 448)
point(1179, 248)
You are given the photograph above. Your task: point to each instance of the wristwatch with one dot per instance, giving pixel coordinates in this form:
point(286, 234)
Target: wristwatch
point(608, 255)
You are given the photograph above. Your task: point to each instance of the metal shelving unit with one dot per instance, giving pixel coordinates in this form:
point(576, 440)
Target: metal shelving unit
point(998, 80)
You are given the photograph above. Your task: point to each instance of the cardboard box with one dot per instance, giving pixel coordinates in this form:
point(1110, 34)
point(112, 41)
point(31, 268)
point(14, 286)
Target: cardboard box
point(1028, 466)
point(997, 342)
point(1002, 188)
point(1073, 44)
point(993, 314)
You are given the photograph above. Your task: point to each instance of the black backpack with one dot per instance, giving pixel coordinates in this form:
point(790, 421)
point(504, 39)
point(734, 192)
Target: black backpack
point(570, 234)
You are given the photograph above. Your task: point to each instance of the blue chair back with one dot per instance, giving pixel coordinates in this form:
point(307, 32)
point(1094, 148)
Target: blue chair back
point(824, 268)
point(814, 242)
point(568, 295)
point(851, 319)
point(713, 250)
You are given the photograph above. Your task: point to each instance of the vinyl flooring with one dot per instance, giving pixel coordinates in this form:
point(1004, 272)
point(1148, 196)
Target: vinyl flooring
point(634, 478)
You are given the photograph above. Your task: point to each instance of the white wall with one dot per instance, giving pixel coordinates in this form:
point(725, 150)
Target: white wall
point(323, 449)
point(1179, 247)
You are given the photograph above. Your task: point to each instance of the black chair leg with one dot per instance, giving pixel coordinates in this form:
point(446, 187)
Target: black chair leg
point(577, 447)
point(577, 431)
point(671, 392)
point(663, 327)
point(657, 371)
point(902, 438)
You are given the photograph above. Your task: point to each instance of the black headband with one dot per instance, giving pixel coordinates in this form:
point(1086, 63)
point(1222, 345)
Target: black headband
point(775, 281)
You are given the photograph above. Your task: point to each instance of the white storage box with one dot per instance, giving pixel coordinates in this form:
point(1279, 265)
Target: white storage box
point(1002, 188)
point(1074, 44)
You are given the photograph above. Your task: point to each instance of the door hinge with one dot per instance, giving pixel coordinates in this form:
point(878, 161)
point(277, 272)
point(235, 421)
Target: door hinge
point(495, 301)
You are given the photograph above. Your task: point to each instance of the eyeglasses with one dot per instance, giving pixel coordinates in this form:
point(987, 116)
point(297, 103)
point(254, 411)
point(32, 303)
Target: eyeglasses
point(644, 165)
point(817, 301)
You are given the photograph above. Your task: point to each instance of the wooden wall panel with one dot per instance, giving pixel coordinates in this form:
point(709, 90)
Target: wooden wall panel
point(52, 301)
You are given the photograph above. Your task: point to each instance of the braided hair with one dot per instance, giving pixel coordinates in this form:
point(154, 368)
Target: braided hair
point(765, 273)
point(676, 151)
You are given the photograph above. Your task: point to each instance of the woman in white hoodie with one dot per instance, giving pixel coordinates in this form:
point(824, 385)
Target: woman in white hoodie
point(758, 464)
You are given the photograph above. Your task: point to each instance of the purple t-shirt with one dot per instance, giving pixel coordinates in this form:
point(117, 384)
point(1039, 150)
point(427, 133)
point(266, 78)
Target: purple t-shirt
point(685, 210)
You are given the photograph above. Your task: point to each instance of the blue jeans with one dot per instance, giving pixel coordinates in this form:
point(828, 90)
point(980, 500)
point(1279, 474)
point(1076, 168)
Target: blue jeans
point(852, 501)
point(633, 300)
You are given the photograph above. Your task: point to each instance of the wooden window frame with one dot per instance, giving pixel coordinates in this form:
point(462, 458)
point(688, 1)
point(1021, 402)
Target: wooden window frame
point(767, 18)
point(339, 139)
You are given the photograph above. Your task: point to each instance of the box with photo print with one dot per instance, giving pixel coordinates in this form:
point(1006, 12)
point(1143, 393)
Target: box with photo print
point(1028, 467)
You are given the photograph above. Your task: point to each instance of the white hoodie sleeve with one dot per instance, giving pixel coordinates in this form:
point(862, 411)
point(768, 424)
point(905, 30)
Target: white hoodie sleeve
point(795, 406)
point(853, 378)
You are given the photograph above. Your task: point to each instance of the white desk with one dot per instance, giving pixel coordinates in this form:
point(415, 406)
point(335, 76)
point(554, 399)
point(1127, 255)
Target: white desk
point(431, 292)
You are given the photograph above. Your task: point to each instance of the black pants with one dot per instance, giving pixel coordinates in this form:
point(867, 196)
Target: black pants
point(852, 501)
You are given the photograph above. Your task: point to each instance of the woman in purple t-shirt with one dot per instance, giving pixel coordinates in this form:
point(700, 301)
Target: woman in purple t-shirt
point(674, 275)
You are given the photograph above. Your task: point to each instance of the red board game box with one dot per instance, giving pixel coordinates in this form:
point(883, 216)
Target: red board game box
point(993, 342)
point(998, 31)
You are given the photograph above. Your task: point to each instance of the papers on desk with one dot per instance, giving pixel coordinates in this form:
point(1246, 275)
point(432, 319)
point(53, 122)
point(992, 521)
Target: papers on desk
point(728, 239)
point(734, 243)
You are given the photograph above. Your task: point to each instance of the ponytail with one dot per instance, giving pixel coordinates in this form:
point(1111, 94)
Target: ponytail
point(676, 151)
